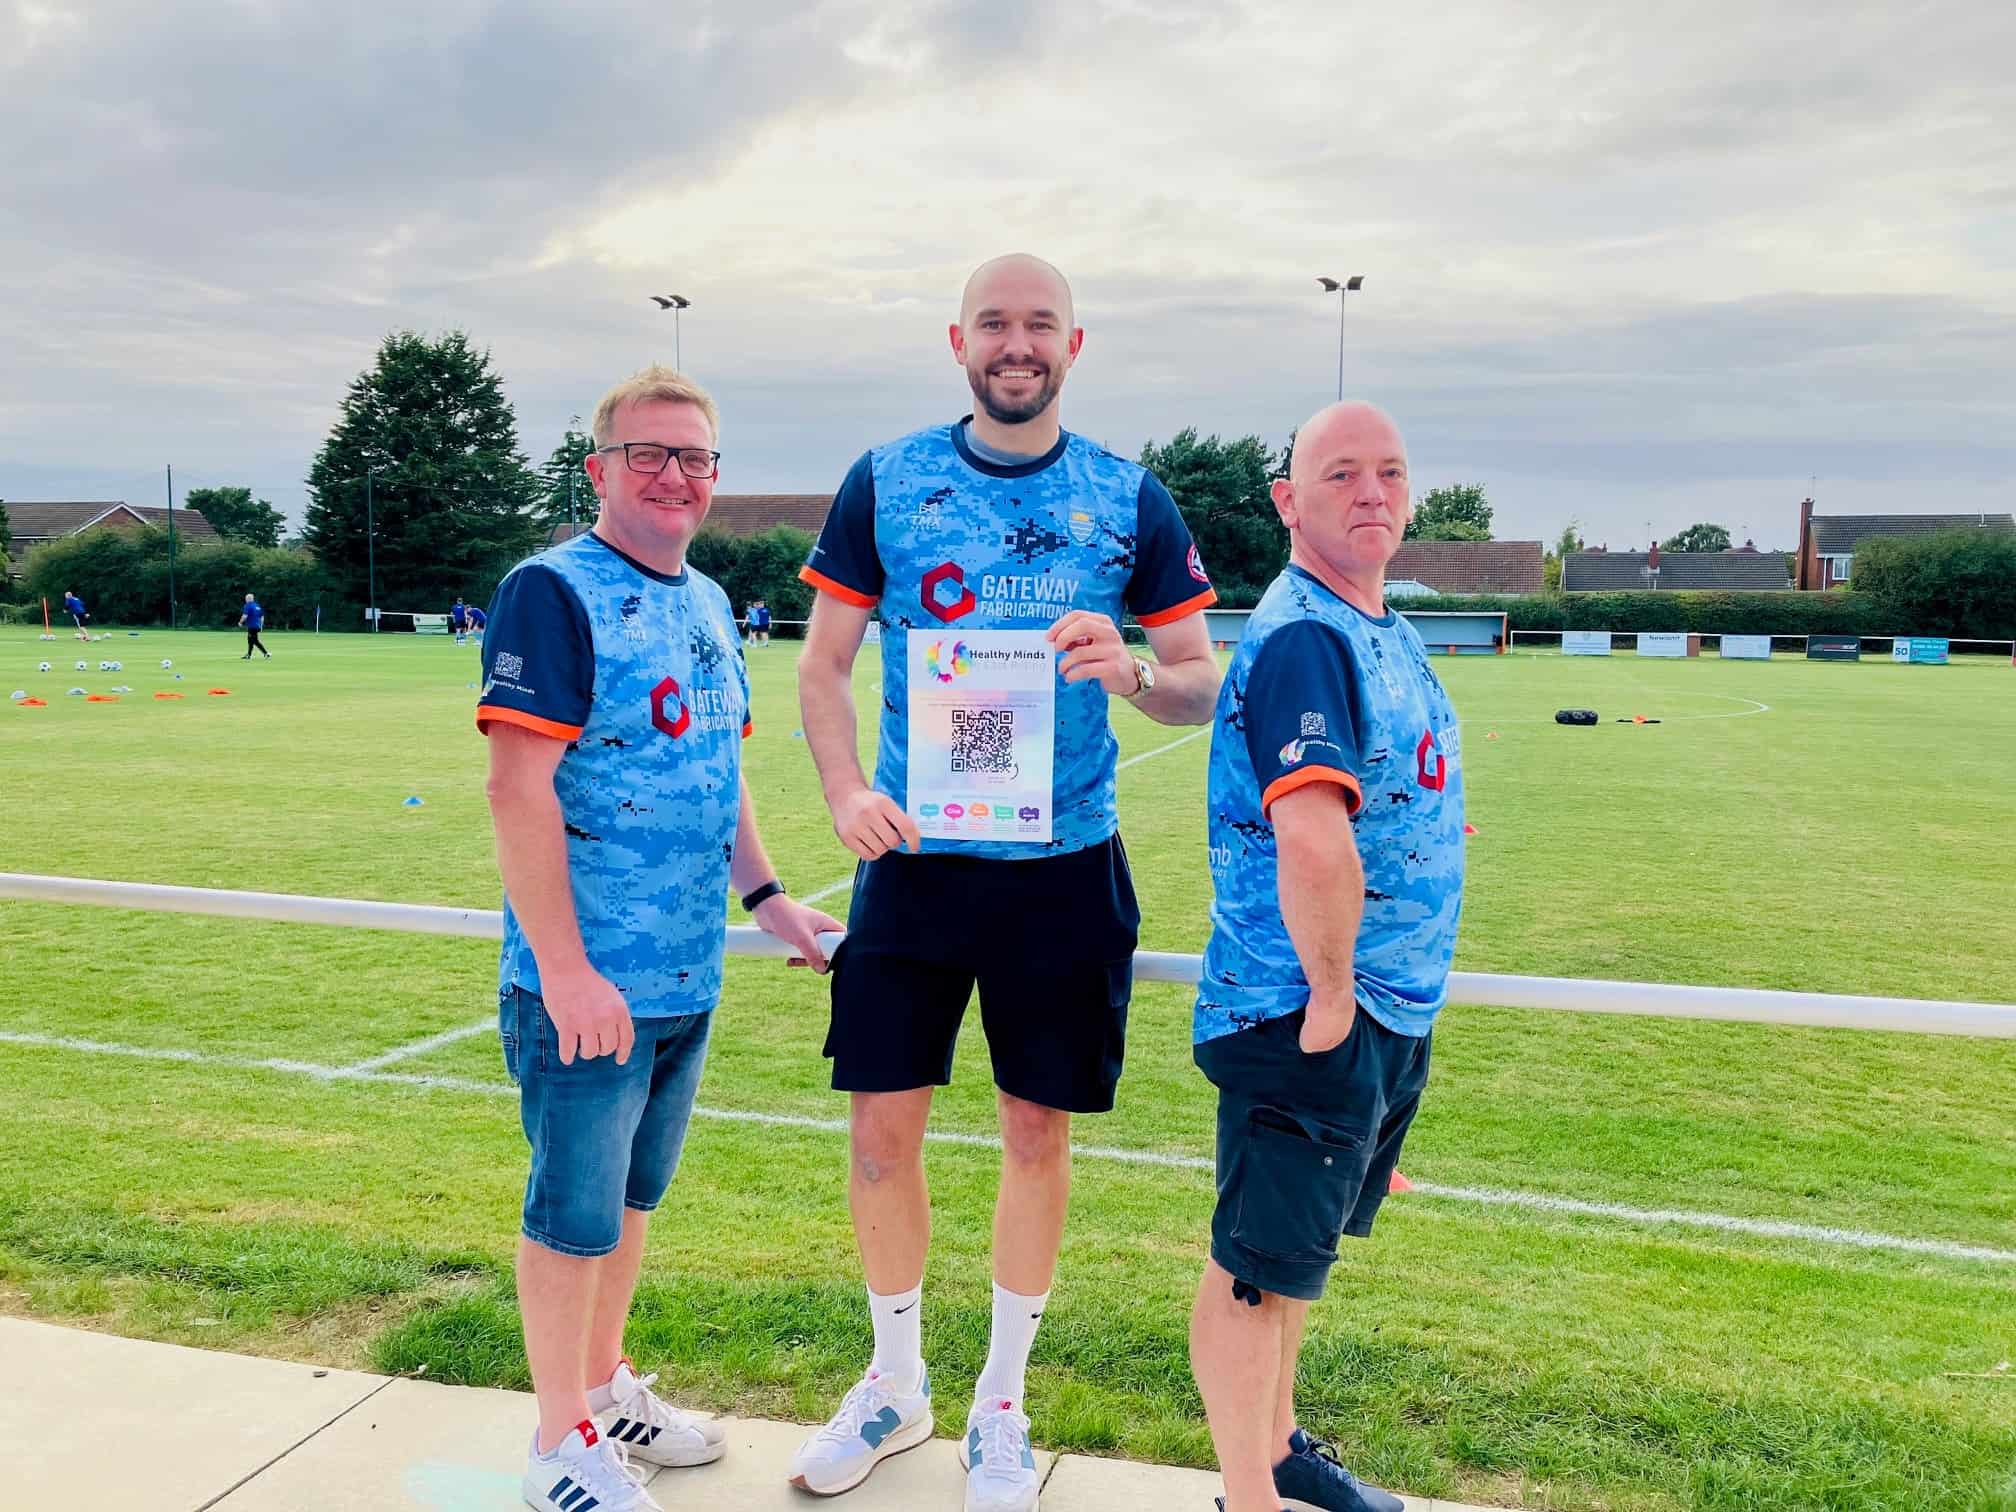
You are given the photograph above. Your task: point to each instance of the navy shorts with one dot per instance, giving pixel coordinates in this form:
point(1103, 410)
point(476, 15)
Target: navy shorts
point(604, 1137)
point(1306, 1144)
point(1048, 941)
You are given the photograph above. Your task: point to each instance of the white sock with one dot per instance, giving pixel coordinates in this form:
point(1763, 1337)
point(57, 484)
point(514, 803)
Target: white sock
point(1015, 1320)
point(899, 1340)
point(602, 1398)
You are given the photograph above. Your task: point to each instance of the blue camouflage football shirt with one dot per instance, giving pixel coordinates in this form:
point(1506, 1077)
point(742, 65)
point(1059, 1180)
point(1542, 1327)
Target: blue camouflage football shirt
point(642, 674)
point(935, 538)
point(1319, 691)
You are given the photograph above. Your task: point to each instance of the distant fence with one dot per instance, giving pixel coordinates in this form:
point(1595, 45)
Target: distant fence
point(1819, 1010)
point(1628, 641)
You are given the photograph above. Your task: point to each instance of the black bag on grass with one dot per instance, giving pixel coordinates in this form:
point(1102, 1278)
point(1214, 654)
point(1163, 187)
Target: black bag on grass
point(1575, 716)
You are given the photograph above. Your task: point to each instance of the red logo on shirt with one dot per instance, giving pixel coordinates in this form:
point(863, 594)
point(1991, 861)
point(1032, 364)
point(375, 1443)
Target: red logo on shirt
point(1196, 565)
point(675, 726)
point(947, 572)
point(1436, 774)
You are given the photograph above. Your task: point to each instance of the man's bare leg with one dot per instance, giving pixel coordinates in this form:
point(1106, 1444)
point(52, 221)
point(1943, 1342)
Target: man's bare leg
point(557, 1301)
point(1236, 1353)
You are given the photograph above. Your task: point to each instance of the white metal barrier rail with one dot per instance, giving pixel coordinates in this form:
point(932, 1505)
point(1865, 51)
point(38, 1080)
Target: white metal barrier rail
point(1576, 995)
point(1788, 640)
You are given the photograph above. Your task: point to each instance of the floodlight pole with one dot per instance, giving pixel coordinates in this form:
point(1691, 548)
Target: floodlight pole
point(574, 470)
point(1341, 288)
point(370, 551)
point(171, 545)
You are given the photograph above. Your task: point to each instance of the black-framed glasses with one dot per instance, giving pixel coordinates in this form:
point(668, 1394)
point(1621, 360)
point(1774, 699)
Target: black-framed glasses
point(649, 457)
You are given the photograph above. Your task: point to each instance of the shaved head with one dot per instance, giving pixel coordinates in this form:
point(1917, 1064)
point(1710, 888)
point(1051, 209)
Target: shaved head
point(1028, 279)
point(1352, 430)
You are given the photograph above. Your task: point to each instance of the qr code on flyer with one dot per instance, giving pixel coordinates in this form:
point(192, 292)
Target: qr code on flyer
point(983, 740)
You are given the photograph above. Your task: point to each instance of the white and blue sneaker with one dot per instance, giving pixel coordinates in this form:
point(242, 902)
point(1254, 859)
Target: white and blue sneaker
point(651, 1429)
point(874, 1421)
point(1000, 1466)
point(1311, 1478)
point(584, 1473)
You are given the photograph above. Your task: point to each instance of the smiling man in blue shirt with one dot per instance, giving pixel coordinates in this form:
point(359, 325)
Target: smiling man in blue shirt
point(616, 702)
point(1335, 827)
point(1007, 530)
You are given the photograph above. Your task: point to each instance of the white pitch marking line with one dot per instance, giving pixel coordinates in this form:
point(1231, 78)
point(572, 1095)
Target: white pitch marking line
point(846, 883)
point(421, 1047)
point(1182, 740)
point(1540, 1202)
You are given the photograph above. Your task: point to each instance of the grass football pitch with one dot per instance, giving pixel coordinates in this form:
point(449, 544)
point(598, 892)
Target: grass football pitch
point(1654, 1263)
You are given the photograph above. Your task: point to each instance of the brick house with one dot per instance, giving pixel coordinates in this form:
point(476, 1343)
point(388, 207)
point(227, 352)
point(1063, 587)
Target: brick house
point(1741, 569)
point(36, 523)
point(1827, 542)
point(738, 514)
point(1470, 566)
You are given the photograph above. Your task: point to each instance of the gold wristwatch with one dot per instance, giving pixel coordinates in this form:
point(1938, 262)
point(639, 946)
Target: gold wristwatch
point(1144, 673)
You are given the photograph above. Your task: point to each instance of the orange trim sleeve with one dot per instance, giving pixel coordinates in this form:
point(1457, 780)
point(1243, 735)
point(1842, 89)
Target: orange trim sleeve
point(1354, 796)
point(1175, 612)
point(488, 714)
point(839, 591)
point(748, 728)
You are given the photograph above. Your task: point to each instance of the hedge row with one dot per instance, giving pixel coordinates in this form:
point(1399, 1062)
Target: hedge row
point(1833, 613)
point(122, 576)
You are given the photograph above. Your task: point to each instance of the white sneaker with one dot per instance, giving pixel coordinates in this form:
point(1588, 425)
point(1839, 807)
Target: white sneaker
point(584, 1473)
point(653, 1430)
point(874, 1422)
point(1000, 1466)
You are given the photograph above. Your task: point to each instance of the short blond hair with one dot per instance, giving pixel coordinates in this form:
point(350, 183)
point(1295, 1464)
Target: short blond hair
point(654, 382)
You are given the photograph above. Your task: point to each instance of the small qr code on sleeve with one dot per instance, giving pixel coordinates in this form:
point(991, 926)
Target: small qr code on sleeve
point(983, 740)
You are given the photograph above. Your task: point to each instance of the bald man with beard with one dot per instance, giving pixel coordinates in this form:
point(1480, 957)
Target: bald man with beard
point(1000, 538)
point(1336, 834)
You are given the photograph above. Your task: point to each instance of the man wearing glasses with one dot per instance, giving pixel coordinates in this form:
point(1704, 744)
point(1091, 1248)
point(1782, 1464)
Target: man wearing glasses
point(615, 700)
point(998, 554)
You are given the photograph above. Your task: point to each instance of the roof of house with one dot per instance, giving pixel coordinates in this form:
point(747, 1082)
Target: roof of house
point(1837, 535)
point(751, 514)
point(1470, 566)
point(30, 520)
point(1729, 571)
point(739, 515)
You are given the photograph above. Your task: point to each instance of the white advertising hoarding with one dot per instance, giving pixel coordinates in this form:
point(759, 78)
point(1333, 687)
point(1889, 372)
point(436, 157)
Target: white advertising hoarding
point(1662, 643)
point(1746, 648)
point(1585, 642)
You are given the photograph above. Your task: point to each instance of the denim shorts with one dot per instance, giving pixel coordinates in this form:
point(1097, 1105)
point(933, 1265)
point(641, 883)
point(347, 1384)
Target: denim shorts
point(1306, 1144)
point(604, 1137)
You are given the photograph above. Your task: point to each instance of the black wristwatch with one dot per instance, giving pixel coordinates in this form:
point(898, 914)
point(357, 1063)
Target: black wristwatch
point(771, 889)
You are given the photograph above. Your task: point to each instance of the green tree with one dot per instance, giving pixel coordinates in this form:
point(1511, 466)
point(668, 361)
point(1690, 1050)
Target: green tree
point(1221, 488)
point(1569, 540)
point(6, 529)
point(235, 515)
point(564, 486)
point(1959, 582)
point(761, 566)
point(455, 502)
point(1453, 512)
point(1698, 538)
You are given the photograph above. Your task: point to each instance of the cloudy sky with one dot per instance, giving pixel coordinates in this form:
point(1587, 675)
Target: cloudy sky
point(1638, 272)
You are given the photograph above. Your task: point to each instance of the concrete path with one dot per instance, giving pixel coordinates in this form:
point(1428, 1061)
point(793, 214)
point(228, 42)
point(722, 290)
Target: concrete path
point(88, 1420)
